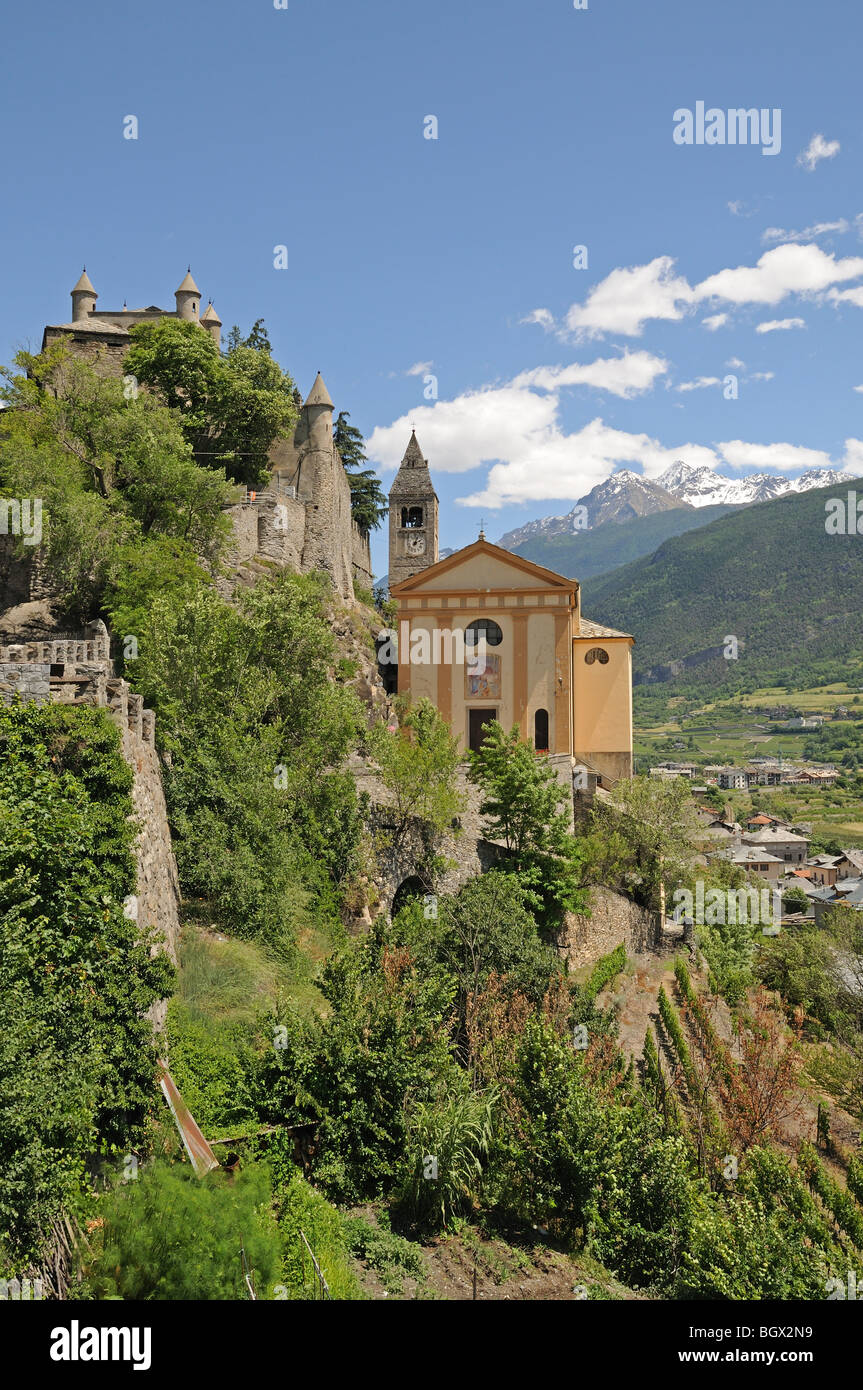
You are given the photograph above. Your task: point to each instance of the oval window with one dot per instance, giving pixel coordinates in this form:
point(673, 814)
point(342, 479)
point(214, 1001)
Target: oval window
point(485, 627)
point(596, 654)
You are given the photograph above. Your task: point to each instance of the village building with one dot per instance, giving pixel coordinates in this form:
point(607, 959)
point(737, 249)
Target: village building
point(757, 861)
point(823, 869)
point(776, 839)
point(732, 779)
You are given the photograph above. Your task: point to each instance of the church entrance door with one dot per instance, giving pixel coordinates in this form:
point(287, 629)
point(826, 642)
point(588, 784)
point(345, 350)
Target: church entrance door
point(477, 720)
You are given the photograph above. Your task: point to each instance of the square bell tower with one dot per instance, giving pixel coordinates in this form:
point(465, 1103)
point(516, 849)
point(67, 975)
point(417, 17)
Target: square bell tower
point(413, 516)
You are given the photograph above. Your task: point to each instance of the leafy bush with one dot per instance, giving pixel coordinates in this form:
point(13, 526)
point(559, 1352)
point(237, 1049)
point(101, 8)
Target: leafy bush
point(77, 1061)
point(170, 1235)
point(388, 1254)
point(299, 1207)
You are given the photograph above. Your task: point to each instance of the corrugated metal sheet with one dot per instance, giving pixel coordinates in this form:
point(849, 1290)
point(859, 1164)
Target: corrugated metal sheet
point(201, 1156)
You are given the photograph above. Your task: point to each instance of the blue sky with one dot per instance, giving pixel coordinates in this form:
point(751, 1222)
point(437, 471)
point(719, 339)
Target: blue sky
point(304, 127)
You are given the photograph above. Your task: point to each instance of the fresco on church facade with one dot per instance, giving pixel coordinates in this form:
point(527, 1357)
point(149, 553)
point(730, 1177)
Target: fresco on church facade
point(484, 683)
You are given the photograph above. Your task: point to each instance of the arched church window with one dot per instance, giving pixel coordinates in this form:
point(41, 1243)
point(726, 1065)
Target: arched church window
point(489, 630)
point(412, 516)
point(596, 654)
point(540, 731)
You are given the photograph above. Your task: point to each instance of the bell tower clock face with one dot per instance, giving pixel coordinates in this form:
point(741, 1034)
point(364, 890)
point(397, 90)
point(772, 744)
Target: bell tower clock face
point(415, 545)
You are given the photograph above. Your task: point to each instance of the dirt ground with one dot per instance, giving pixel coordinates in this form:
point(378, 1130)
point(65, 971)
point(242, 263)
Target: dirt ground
point(471, 1265)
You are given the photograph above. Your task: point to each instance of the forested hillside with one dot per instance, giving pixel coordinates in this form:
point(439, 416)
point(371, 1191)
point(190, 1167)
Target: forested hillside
point(586, 554)
point(770, 575)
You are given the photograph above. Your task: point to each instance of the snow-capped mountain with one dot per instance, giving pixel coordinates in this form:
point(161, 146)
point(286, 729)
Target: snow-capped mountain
point(701, 487)
point(621, 497)
point(625, 495)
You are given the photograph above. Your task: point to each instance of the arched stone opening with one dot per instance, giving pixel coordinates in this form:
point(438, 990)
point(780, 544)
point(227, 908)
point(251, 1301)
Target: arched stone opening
point(410, 887)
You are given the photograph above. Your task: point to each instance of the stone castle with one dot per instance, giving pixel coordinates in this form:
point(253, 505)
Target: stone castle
point(301, 520)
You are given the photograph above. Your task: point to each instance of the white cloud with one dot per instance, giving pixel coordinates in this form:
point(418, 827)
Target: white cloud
point(852, 296)
point(777, 325)
point(628, 297)
point(516, 428)
point(782, 271)
point(715, 321)
point(859, 388)
point(419, 369)
point(818, 229)
point(735, 362)
point(817, 149)
point(559, 465)
point(517, 421)
point(762, 376)
point(629, 375)
point(772, 457)
point(544, 317)
point(699, 383)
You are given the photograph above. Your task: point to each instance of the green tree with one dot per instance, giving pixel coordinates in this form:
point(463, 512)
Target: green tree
point(257, 730)
point(257, 338)
point(484, 929)
point(77, 1059)
point(795, 900)
point(417, 765)
point(521, 802)
point(232, 408)
point(382, 1049)
point(652, 826)
point(115, 475)
point(368, 500)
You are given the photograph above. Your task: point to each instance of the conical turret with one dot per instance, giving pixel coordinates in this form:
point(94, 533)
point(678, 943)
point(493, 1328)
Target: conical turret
point(318, 416)
point(188, 298)
point(83, 298)
point(213, 324)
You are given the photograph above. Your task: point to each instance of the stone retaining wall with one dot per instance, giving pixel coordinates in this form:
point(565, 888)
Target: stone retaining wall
point(28, 679)
point(613, 919)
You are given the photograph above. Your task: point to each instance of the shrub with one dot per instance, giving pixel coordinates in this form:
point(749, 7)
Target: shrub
point(170, 1235)
point(447, 1142)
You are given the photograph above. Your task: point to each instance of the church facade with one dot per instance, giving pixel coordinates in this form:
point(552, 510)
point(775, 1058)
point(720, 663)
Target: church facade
point(485, 634)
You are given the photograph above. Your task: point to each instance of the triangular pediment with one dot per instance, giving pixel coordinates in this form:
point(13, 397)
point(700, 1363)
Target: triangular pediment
point(483, 567)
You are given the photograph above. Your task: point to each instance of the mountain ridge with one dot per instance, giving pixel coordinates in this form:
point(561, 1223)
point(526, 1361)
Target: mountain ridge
point(683, 601)
point(625, 494)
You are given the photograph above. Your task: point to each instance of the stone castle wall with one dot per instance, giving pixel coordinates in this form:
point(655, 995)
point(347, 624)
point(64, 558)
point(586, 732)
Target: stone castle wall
point(302, 535)
point(281, 532)
point(105, 353)
point(361, 559)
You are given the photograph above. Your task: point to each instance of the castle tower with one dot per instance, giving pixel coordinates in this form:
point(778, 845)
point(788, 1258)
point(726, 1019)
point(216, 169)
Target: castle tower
point(317, 418)
point(413, 516)
point(213, 324)
point(83, 298)
point(188, 298)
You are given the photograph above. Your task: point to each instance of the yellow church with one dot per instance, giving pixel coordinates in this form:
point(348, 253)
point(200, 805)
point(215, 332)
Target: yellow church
point(485, 634)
